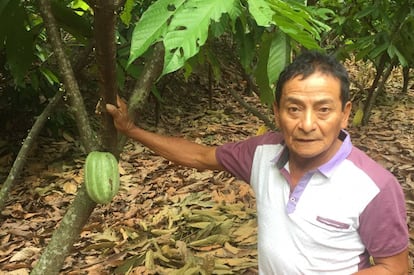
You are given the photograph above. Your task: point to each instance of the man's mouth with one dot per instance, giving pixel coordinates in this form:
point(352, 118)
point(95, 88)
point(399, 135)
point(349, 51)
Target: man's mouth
point(305, 140)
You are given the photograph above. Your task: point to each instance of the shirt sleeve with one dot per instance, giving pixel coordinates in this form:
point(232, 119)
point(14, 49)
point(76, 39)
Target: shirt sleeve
point(383, 225)
point(237, 157)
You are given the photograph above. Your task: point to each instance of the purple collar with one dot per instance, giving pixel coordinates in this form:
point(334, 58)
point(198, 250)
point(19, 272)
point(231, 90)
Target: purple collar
point(283, 157)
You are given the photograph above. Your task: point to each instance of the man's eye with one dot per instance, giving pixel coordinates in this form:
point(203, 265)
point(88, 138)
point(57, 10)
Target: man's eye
point(324, 110)
point(293, 109)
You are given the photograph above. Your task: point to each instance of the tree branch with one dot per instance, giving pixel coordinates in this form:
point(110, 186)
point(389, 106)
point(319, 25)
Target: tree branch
point(21, 158)
point(252, 110)
point(152, 71)
point(86, 133)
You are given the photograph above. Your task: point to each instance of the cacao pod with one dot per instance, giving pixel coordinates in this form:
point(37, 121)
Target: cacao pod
point(101, 176)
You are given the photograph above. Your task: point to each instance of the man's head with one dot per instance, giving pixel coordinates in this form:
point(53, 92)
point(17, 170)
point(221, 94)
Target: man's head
point(310, 62)
point(312, 107)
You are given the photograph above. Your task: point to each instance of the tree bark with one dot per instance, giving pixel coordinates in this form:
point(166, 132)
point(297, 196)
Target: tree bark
point(86, 133)
point(53, 257)
point(269, 124)
point(406, 78)
point(374, 94)
point(21, 158)
point(63, 238)
point(152, 71)
point(104, 26)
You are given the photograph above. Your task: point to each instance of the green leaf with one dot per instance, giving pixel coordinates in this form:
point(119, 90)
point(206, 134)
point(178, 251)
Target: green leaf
point(246, 47)
point(126, 12)
point(261, 75)
point(273, 57)
point(49, 75)
point(19, 45)
point(292, 18)
point(296, 33)
point(188, 30)
point(366, 11)
point(7, 9)
point(393, 51)
point(296, 14)
point(279, 56)
point(72, 22)
point(80, 6)
point(152, 26)
point(3, 5)
point(261, 12)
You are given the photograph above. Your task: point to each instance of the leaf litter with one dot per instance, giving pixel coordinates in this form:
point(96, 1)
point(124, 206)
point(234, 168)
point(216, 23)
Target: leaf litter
point(168, 219)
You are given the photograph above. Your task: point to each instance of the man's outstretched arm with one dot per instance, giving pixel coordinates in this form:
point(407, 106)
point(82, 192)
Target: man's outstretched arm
point(177, 150)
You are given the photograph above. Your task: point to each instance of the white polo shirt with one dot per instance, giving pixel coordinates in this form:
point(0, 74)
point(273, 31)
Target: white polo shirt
point(334, 219)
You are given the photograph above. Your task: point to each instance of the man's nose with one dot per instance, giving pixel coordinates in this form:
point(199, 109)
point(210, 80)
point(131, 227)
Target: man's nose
point(308, 122)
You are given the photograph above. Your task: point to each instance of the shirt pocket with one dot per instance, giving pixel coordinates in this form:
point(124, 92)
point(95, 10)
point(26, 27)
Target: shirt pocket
point(332, 224)
point(329, 224)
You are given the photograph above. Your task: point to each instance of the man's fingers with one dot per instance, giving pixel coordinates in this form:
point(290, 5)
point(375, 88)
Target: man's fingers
point(121, 103)
point(111, 109)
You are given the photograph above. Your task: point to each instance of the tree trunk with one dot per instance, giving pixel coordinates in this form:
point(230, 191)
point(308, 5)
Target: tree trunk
point(25, 149)
point(379, 70)
point(53, 257)
point(86, 133)
point(406, 78)
point(374, 94)
point(104, 27)
point(65, 235)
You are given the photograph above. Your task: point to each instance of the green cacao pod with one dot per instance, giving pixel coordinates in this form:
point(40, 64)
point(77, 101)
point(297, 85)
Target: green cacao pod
point(101, 176)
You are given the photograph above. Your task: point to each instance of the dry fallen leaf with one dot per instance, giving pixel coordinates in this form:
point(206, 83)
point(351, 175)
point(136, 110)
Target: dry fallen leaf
point(70, 187)
point(24, 254)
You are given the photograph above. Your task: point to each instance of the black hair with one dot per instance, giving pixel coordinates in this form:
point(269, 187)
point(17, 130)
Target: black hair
point(312, 61)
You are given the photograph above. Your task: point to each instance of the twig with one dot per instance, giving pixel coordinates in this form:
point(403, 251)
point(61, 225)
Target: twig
point(21, 158)
point(252, 110)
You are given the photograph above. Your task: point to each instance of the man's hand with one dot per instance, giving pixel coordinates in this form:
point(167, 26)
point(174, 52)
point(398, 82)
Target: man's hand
point(123, 123)
point(178, 150)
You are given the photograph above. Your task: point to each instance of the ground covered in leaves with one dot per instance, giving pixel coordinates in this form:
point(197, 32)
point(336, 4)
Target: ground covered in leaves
point(169, 219)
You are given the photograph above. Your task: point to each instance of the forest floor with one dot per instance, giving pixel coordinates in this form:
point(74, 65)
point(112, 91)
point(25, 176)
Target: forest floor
point(168, 219)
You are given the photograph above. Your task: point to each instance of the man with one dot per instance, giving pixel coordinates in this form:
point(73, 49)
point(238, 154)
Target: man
point(323, 206)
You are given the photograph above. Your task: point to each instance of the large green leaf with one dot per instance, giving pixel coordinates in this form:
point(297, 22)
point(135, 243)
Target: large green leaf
point(262, 13)
point(188, 30)
point(181, 25)
point(279, 56)
point(152, 26)
point(261, 75)
point(274, 55)
point(246, 46)
point(292, 18)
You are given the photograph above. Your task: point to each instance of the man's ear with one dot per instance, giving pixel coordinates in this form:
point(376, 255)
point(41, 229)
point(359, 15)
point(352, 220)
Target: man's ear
point(276, 113)
point(347, 113)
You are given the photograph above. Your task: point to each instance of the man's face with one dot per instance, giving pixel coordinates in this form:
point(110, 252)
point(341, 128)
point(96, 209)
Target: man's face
point(310, 117)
